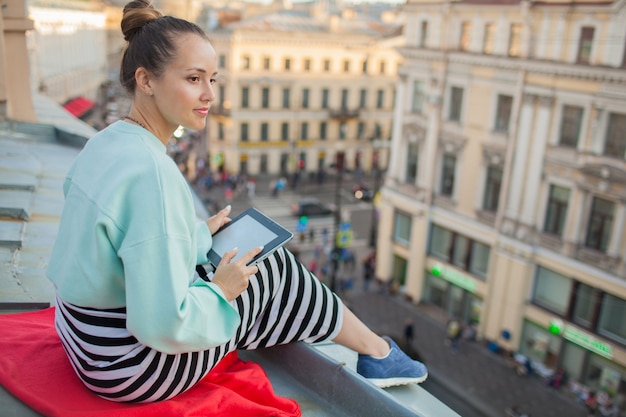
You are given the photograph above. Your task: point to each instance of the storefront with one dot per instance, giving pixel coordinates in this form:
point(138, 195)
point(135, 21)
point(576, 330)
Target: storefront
point(453, 292)
point(584, 357)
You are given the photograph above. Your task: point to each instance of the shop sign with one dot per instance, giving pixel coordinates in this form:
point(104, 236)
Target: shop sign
point(453, 276)
point(582, 339)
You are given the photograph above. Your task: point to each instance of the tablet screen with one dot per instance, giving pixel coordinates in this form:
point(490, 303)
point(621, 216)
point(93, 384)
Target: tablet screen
point(245, 235)
point(247, 231)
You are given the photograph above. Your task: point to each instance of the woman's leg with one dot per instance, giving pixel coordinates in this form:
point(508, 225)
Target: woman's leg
point(354, 334)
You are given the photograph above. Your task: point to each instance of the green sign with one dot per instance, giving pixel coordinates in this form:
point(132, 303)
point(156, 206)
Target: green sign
point(454, 277)
point(588, 342)
point(555, 327)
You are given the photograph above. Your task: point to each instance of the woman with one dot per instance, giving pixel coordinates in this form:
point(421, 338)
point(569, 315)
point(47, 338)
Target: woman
point(136, 325)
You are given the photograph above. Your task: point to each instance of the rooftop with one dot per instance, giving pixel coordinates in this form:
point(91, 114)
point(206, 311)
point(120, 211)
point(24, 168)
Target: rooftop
point(34, 158)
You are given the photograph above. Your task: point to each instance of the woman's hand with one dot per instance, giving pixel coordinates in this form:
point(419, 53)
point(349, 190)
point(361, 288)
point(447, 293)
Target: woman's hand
point(233, 277)
point(219, 219)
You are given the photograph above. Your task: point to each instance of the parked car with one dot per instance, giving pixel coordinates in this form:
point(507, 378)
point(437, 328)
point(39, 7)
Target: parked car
point(363, 193)
point(311, 207)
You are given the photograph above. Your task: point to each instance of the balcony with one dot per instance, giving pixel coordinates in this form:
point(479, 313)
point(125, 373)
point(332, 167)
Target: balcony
point(220, 110)
point(343, 114)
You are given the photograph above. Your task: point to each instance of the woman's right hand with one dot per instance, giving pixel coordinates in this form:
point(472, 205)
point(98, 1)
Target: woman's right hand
point(233, 277)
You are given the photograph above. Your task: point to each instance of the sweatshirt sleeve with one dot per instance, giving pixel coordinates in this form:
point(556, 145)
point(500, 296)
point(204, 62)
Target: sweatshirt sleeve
point(205, 241)
point(169, 314)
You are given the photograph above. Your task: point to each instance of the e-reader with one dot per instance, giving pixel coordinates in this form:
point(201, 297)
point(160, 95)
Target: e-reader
point(245, 232)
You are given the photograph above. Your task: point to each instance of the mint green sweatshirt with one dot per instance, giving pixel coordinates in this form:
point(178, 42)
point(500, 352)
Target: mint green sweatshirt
point(129, 237)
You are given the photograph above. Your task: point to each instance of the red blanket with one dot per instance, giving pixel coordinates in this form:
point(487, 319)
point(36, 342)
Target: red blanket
point(34, 368)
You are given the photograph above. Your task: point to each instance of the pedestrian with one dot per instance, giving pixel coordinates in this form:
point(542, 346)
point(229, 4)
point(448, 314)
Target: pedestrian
point(369, 269)
point(251, 186)
point(453, 333)
point(136, 322)
point(408, 334)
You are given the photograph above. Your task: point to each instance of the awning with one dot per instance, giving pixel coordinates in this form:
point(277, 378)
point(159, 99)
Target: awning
point(79, 106)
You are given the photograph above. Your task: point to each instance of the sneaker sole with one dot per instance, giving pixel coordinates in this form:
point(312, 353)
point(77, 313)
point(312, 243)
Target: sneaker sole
point(392, 382)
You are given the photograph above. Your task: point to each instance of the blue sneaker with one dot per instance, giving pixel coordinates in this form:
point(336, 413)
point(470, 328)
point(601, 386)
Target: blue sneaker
point(397, 368)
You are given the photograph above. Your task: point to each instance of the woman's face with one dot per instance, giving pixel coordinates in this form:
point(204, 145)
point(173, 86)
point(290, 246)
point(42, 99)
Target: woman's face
point(184, 93)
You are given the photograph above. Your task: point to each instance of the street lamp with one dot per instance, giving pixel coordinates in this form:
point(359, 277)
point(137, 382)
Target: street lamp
point(339, 165)
point(374, 223)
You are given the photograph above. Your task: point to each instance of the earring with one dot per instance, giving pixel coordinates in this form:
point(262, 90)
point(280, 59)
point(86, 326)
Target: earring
point(149, 94)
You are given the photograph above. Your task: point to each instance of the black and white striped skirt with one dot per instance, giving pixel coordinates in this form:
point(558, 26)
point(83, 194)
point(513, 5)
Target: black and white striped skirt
point(283, 303)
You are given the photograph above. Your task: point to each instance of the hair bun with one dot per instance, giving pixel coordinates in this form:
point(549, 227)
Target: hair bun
point(137, 13)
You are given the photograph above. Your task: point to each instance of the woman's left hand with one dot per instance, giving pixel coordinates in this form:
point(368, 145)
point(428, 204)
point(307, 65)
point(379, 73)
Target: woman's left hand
point(219, 219)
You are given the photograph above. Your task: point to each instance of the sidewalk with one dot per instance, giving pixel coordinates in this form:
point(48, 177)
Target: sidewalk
point(475, 374)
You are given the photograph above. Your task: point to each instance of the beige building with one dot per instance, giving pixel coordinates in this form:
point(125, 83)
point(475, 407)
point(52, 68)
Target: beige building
point(295, 89)
point(505, 201)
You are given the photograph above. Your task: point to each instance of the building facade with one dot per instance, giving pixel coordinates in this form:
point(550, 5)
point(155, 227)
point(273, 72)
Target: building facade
point(505, 200)
point(294, 91)
point(68, 48)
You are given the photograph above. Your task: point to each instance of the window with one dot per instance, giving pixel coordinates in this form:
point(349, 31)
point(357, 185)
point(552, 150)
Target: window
point(447, 175)
point(611, 322)
point(456, 103)
point(382, 67)
point(364, 66)
point(245, 62)
point(490, 38)
point(360, 130)
point(346, 66)
point(326, 65)
point(402, 228)
point(503, 113)
point(221, 95)
point(286, 98)
point(323, 130)
point(515, 39)
point(492, 189)
point(585, 305)
point(600, 224)
point(307, 64)
point(378, 131)
point(363, 98)
point(380, 99)
point(244, 132)
point(264, 132)
point(220, 131)
point(440, 242)
point(417, 102)
point(466, 33)
point(325, 94)
point(304, 131)
point(284, 132)
point(460, 252)
point(423, 34)
point(552, 290)
point(571, 120)
point(287, 64)
point(584, 45)
point(222, 61)
point(615, 143)
point(344, 98)
point(479, 259)
point(410, 172)
point(267, 63)
point(305, 98)
point(465, 253)
point(245, 97)
point(265, 97)
point(558, 200)
point(343, 130)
